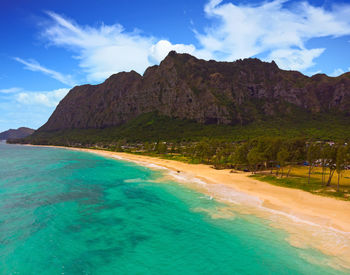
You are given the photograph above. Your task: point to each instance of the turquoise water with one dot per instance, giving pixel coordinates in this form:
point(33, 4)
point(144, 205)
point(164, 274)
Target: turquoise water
point(68, 212)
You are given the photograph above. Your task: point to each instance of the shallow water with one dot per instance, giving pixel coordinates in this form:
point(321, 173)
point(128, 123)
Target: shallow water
point(69, 212)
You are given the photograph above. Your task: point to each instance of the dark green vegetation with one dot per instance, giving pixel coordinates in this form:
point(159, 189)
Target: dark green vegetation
point(152, 128)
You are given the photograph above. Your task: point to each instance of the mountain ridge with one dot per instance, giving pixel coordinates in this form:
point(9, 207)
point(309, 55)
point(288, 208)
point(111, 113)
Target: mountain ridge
point(21, 132)
point(209, 92)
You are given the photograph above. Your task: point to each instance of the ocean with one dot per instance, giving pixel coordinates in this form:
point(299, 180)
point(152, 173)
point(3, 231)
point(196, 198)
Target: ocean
point(70, 212)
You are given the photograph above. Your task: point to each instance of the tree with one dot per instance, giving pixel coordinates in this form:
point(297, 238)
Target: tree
point(296, 150)
point(313, 153)
point(271, 151)
point(201, 150)
point(173, 148)
point(161, 147)
point(282, 156)
point(331, 156)
point(240, 155)
point(147, 147)
point(254, 158)
point(324, 153)
point(340, 162)
point(218, 159)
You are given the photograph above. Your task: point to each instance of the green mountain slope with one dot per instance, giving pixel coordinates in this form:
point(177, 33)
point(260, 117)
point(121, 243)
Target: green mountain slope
point(154, 127)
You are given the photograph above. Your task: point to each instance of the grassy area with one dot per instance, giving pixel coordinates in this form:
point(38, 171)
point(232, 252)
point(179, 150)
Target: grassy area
point(302, 171)
point(314, 187)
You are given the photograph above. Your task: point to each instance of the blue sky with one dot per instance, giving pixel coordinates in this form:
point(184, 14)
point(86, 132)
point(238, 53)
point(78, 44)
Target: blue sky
point(47, 47)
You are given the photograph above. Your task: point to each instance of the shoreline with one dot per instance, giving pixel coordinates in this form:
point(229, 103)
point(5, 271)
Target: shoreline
point(331, 212)
point(312, 221)
point(293, 201)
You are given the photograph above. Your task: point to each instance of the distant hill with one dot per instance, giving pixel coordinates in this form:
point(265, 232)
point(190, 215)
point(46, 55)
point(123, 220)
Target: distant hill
point(21, 132)
point(183, 90)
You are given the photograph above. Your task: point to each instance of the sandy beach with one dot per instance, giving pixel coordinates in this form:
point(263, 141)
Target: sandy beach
point(312, 221)
point(324, 210)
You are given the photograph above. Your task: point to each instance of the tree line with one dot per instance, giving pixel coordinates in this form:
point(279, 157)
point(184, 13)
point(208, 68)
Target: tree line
point(275, 155)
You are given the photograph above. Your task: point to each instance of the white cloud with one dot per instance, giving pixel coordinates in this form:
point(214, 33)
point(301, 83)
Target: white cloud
point(160, 50)
point(46, 98)
point(269, 30)
point(245, 30)
point(295, 59)
point(337, 72)
point(28, 108)
point(106, 50)
point(102, 51)
point(10, 90)
point(34, 66)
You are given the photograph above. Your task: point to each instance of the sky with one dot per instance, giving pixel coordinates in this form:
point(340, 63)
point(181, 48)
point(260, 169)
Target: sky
point(48, 47)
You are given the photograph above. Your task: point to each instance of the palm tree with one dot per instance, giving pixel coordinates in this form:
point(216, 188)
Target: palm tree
point(331, 154)
point(282, 156)
point(323, 156)
point(340, 162)
point(313, 153)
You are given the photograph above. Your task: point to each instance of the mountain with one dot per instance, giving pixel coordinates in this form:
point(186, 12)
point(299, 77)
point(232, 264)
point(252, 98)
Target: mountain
point(21, 132)
point(188, 98)
point(208, 92)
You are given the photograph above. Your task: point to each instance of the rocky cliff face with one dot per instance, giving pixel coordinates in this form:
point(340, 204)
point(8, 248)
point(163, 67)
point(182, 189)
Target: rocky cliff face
point(21, 132)
point(204, 91)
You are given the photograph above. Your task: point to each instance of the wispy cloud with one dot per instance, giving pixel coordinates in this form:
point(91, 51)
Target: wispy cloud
point(337, 72)
point(10, 90)
point(45, 98)
point(28, 108)
point(34, 66)
point(102, 51)
point(245, 30)
point(105, 50)
point(273, 30)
